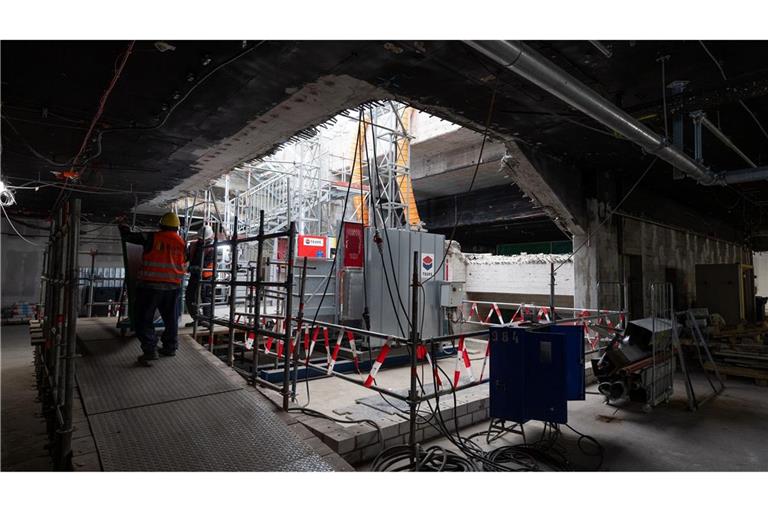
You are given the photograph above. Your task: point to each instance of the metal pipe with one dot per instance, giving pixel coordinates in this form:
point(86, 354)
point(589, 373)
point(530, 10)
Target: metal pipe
point(214, 275)
point(745, 175)
point(412, 395)
point(299, 318)
point(451, 337)
point(288, 320)
point(256, 312)
point(71, 337)
point(451, 390)
point(232, 295)
point(90, 284)
point(531, 65)
point(602, 49)
point(701, 117)
point(362, 332)
point(347, 378)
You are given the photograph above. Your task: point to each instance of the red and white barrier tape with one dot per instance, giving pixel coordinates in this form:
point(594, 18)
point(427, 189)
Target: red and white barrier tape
point(494, 309)
point(485, 360)
point(311, 349)
point(337, 348)
point(462, 356)
point(378, 362)
point(335, 353)
point(473, 311)
point(423, 353)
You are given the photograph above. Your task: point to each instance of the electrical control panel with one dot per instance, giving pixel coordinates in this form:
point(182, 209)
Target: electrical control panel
point(451, 295)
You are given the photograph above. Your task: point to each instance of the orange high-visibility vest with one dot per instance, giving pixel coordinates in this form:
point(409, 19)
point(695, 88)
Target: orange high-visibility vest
point(165, 262)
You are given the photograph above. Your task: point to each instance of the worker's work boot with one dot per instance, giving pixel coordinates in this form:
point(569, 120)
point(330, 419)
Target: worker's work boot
point(145, 358)
point(165, 352)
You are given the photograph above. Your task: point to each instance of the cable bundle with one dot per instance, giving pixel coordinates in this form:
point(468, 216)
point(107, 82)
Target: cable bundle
point(434, 459)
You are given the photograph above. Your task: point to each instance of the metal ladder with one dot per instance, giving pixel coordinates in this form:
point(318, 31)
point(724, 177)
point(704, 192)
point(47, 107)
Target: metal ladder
point(700, 342)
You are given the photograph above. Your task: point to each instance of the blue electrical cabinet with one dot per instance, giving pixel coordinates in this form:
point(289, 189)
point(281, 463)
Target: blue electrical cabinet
point(535, 372)
point(574, 359)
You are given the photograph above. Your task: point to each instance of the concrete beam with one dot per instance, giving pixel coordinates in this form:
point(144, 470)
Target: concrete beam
point(554, 186)
point(311, 105)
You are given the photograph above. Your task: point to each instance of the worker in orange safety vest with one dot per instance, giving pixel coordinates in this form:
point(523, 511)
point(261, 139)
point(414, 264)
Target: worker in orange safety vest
point(158, 287)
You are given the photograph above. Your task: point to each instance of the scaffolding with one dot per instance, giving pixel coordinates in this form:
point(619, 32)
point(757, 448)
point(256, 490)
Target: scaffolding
point(296, 190)
point(58, 311)
point(391, 193)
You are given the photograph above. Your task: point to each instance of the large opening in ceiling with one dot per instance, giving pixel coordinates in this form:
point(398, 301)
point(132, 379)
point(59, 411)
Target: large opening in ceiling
point(409, 168)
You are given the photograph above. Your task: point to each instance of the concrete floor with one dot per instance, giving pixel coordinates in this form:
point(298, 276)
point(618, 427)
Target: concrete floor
point(728, 433)
point(23, 429)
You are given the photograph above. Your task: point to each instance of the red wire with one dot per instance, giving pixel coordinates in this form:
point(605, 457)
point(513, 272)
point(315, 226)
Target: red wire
point(99, 112)
point(103, 101)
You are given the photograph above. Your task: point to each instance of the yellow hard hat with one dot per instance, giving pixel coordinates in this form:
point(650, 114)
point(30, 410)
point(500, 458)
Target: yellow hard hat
point(170, 220)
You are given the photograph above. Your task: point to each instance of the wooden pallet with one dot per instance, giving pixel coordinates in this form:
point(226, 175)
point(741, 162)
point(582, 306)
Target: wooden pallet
point(731, 335)
point(759, 376)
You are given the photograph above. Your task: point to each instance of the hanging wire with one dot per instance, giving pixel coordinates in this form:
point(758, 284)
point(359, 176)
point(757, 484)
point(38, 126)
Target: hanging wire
point(609, 215)
point(14, 227)
point(741, 102)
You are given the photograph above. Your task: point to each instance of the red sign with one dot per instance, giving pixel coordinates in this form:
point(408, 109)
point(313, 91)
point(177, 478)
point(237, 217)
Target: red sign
point(353, 244)
point(311, 246)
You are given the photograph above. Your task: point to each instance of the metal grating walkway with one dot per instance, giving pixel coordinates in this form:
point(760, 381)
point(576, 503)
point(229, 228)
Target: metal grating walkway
point(113, 381)
point(187, 413)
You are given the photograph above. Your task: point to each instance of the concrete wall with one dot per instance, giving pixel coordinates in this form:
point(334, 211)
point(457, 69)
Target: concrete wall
point(22, 262)
point(523, 274)
point(660, 247)
point(521, 278)
point(105, 240)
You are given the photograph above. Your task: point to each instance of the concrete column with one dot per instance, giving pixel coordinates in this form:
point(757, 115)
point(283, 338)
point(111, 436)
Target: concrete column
point(597, 264)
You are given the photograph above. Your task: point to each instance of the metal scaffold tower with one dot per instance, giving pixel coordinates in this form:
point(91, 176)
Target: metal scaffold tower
point(295, 190)
point(391, 195)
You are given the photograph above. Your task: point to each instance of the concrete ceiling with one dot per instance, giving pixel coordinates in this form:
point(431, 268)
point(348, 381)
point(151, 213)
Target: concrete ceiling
point(177, 119)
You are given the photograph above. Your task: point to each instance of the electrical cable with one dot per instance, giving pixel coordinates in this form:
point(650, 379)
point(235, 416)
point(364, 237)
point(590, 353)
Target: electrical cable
point(546, 453)
point(609, 215)
point(378, 244)
point(474, 177)
point(317, 414)
point(197, 84)
point(741, 102)
point(385, 227)
point(433, 459)
point(14, 227)
point(99, 111)
point(32, 149)
point(335, 254)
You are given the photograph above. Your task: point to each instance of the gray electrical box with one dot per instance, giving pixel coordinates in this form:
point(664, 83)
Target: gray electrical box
point(351, 295)
point(451, 295)
point(318, 270)
point(391, 271)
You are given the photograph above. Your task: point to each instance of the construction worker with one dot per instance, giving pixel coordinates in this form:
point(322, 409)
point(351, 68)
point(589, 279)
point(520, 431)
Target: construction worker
point(200, 264)
point(158, 286)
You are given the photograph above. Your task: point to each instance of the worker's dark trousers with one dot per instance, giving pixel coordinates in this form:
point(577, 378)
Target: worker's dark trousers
point(190, 298)
point(167, 303)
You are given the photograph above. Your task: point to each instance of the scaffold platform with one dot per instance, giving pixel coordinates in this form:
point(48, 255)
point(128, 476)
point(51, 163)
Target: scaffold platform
point(185, 413)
